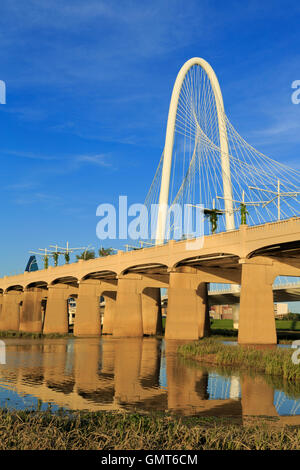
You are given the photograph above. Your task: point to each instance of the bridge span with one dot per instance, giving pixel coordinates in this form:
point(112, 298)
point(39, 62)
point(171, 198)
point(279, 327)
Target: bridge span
point(282, 293)
point(130, 282)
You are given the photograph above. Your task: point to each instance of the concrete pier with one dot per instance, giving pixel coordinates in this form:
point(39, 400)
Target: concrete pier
point(10, 312)
point(56, 315)
point(128, 317)
point(87, 320)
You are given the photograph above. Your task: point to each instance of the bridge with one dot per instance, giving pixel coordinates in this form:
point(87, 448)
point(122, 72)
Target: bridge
point(242, 247)
point(282, 292)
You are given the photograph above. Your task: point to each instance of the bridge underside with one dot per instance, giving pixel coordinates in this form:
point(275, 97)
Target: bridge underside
point(281, 294)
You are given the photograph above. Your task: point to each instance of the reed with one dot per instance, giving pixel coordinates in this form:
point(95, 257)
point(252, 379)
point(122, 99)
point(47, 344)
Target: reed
point(24, 430)
point(269, 361)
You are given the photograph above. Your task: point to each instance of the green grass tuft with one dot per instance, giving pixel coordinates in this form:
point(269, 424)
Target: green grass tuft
point(269, 361)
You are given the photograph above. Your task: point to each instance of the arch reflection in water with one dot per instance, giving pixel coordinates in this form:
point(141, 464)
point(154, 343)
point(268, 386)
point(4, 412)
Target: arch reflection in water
point(135, 374)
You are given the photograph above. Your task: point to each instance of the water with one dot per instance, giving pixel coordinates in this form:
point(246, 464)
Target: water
point(143, 374)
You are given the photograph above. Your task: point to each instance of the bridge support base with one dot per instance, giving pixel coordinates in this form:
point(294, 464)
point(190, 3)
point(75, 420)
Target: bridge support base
point(109, 312)
point(56, 316)
point(31, 312)
point(87, 319)
point(187, 308)
point(257, 320)
point(128, 318)
point(151, 311)
point(10, 312)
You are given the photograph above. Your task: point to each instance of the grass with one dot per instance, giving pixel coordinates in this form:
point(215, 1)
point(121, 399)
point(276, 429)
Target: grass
point(289, 325)
point(268, 361)
point(287, 330)
point(24, 334)
point(221, 325)
point(24, 430)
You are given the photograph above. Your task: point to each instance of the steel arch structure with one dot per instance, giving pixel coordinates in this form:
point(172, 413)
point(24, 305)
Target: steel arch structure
point(169, 142)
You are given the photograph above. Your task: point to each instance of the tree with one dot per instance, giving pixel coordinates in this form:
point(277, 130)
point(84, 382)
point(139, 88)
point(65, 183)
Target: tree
point(55, 256)
point(46, 261)
point(87, 254)
point(67, 257)
point(244, 213)
point(105, 251)
point(213, 218)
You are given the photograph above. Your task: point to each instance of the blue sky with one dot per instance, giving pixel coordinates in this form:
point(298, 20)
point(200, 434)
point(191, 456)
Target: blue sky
point(88, 89)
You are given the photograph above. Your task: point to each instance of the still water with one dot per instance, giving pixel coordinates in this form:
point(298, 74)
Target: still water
point(135, 374)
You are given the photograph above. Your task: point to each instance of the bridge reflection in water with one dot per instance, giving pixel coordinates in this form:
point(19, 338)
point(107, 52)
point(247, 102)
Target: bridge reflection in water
point(143, 374)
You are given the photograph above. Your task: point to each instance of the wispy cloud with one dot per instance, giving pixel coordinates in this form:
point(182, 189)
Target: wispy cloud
point(38, 197)
point(22, 186)
point(70, 161)
point(98, 160)
point(30, 155)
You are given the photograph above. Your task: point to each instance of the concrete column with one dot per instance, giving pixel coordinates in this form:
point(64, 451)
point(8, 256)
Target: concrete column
point(203, 310)
point(235, 315)
point(151, 311)
point(128, 317)
point(257, 319)
point(56, 315)
point(183, 307)
point(10, 312)
point(109, 312)
point(31, 313)
point(87, 318)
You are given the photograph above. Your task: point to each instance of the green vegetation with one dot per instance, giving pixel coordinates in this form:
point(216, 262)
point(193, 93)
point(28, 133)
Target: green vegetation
point(287, 330)
point(46, 262)
point(290, 325)
point(105, 251)
point(23, 334)
point(27, 430)
point(67, 257)
point(267, 361)
point(55, 256)
point(221, 324)
point(87, 254)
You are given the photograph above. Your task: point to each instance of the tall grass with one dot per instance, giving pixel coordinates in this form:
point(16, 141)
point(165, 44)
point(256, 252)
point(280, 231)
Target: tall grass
point(21, 430)
point(268, 361)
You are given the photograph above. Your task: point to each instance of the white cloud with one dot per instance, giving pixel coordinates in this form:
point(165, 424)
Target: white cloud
point(99, 160)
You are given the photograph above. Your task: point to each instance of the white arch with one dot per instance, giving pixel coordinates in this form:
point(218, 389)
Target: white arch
point(169, 142)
